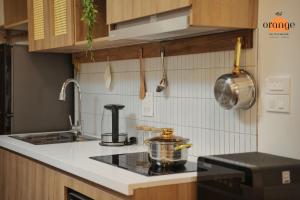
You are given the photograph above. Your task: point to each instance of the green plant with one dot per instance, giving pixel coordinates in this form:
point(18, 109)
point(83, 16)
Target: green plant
point(89, 17)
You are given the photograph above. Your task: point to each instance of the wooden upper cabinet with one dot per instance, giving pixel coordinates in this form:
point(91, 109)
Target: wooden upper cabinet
point(204, 13)
point(225, 13)
point(50, 24)
point(125, 10)
point(56, 25)
point(15, 12)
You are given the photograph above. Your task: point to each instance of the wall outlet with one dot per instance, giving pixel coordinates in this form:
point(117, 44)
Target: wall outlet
point(278, 85)
point(278, 103)
point(148, 105)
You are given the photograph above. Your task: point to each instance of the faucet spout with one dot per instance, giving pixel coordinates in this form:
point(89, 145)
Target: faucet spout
point(76, 127)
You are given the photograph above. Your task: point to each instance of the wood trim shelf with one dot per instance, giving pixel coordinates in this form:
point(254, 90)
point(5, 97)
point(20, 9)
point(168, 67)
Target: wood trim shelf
point(200, 44)
point(22, 25)
point(102, 43)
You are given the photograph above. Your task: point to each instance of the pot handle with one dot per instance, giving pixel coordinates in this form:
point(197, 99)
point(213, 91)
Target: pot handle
point(146, 142)
point(237, 57)
point(183, 146)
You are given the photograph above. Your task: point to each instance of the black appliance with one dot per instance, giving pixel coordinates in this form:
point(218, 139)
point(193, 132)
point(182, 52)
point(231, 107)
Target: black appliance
point(73, 195)
point(29, 89)
point(139, 163)
point(265, 177)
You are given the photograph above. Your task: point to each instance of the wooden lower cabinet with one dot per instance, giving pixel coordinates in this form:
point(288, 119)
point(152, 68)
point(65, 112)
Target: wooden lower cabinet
point(22, 178)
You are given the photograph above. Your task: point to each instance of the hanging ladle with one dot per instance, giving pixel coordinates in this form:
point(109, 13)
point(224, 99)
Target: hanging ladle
point(163, 84)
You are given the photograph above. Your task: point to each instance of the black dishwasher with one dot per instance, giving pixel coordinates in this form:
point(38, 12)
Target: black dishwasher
point(73, 195)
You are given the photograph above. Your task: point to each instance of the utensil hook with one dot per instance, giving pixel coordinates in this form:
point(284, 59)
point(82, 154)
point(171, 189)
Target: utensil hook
point(141, 52)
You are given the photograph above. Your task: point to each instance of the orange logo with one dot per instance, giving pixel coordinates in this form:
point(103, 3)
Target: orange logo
point(279, 24)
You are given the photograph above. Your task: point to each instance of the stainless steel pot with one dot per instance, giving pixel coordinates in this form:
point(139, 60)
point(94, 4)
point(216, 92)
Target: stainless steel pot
point(236, 90)
point(167, 149)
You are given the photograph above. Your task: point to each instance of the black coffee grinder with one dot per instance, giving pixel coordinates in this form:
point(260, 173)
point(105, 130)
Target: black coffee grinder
point(113, 138)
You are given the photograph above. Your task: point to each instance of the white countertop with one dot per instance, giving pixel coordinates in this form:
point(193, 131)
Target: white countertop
point(74, 158)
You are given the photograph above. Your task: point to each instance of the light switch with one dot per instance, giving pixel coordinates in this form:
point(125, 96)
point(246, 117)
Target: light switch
point(278, 103)
point(148, 105)
point(278, 85)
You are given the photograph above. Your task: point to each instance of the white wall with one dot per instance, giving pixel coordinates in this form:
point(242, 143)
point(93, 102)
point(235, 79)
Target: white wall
point(279, 133)
point(188, 105)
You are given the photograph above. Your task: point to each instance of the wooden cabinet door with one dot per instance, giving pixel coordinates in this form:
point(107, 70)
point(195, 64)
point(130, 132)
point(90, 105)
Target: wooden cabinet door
point(61, 23)
point(51, 24)
point(124, 10)
point(38, 25)
point(225, 13)
point(15, 12)
point(24, 179)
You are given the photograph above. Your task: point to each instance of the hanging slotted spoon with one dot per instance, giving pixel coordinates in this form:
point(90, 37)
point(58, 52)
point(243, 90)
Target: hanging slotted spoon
point(163, 84)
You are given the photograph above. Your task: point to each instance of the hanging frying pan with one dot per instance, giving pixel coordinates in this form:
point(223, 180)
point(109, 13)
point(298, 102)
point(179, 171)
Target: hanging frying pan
point(236, 90)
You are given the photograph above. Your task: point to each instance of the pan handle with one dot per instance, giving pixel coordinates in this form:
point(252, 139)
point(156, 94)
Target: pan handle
point(237, 57)
point(183, 146)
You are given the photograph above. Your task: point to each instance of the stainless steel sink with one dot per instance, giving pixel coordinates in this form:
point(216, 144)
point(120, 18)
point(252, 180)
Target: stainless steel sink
point(53, 138)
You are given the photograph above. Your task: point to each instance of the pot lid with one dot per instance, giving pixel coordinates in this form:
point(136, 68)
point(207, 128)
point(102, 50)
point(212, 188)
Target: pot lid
point(168, 136)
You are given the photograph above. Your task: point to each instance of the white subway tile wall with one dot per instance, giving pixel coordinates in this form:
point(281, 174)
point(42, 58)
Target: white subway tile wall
point(188, 105)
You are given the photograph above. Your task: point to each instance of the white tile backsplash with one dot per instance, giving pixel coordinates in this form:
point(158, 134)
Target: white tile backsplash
point(188, 105)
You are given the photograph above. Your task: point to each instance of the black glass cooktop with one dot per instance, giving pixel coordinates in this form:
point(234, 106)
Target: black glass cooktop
point(138, 163)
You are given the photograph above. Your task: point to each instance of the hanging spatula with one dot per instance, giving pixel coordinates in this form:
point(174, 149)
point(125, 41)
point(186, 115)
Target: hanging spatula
point(142, 75)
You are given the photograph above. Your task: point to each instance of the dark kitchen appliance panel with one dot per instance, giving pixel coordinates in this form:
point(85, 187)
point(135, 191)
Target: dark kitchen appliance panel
point(73, 195)
point(30, 84)
point(266, 177)
point(139, 163)
point(5, 89)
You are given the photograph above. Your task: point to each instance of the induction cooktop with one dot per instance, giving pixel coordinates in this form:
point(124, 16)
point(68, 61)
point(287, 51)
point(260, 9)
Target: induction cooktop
point(139, 163)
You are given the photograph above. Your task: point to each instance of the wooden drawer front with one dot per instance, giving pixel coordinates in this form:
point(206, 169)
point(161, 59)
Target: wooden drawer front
point(124, 10)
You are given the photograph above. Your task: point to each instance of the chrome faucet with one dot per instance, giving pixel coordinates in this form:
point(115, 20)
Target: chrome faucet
point(76, 127)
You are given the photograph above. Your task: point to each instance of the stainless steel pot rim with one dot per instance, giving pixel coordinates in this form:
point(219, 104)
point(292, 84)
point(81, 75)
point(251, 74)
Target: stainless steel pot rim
point(168, 143)
point(176, 139)
point(252, 102)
